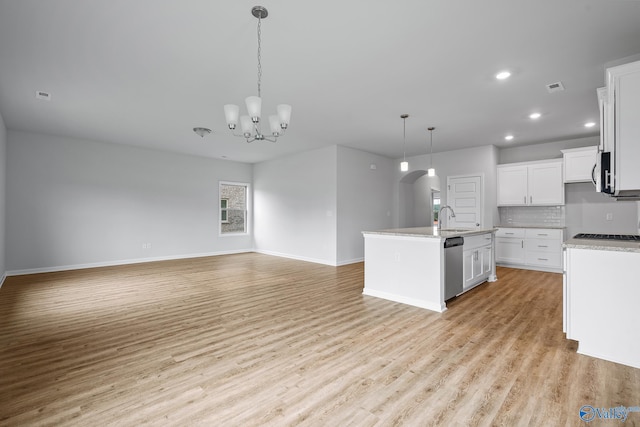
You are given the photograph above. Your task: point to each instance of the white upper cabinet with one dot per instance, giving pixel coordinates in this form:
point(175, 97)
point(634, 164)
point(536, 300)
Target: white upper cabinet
point(579, 163)
point(623, 130)
point(512, 185)
point(531, 184)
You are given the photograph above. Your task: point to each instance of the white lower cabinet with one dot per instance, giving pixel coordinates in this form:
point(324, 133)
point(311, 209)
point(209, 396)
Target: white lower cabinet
point(510, 245)
point(534, 248)
point(476, 260)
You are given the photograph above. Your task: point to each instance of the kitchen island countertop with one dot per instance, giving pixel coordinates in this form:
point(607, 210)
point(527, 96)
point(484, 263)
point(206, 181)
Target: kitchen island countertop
point(431, 232)
point(603, 245)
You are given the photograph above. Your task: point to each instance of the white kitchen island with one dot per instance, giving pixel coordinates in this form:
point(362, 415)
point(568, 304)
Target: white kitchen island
point(601, 299)
point(407, 264)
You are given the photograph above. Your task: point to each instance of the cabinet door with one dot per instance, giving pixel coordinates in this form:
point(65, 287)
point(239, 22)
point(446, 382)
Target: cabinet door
point(512, 185)
point(545, 184)
point(578, 164)
point(468, 258)
point(627, 126)
point(485, 256)
point(509, 250)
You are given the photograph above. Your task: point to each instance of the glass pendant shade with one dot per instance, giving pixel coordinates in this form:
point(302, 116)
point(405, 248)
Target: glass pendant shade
point(247, 125)
point(274, 124)
point(231, 113)
point(254, 107)
point(431, 172)
point(404, 166)
point(284, 114)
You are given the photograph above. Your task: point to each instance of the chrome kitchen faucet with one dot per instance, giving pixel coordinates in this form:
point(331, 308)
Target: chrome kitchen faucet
point(453, 214)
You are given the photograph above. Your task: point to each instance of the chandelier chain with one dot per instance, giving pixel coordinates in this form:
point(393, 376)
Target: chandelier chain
point(259, 54)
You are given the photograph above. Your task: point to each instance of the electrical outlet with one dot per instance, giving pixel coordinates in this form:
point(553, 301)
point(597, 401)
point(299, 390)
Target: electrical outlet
point(609, 216)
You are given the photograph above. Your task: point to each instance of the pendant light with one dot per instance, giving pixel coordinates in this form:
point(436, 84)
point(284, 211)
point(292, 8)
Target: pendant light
point(404, 165)
point(431, 172)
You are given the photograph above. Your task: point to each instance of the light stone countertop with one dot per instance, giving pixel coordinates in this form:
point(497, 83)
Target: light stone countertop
point(431, 232)
point(603, 245)
point(550, 227)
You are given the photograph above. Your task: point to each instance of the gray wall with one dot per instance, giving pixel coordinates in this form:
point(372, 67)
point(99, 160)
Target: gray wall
point(3, 180)
point(548, 150)
point(314, 205)
point(585, 210)
point(470, 161)
point(364, 200)
point(295, 201)
point(73, 203)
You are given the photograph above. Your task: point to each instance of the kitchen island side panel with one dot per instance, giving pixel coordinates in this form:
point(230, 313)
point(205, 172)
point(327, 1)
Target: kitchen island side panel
point(405, 269)
point(603, 295)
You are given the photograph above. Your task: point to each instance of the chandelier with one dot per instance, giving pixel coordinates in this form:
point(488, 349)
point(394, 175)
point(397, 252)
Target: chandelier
point(250, 123)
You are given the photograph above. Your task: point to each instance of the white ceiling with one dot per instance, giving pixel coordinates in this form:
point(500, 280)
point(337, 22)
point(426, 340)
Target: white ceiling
point(145, 72)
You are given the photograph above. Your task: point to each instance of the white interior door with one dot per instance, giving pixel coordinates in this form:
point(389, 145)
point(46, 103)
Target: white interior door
point(464, 195)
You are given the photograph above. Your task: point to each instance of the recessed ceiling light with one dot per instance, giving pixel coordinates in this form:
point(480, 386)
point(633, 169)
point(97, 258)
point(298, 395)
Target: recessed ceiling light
point(508, 137)
point(503, 75)
point(589, 124)
point(534, 116)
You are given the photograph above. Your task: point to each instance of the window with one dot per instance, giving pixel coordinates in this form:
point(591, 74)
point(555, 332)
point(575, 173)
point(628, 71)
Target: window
point(224, 205)
point(435, 202)
point(233, 208)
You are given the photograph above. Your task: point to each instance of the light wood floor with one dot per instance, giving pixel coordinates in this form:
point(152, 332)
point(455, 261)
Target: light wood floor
point(250, 339)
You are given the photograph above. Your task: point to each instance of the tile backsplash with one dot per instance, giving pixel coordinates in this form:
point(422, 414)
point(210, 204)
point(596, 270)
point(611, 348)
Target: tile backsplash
point(532, 215)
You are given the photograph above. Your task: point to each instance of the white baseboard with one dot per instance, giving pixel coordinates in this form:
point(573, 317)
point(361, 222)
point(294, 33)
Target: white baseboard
point(429, 305)
point(350, 261)
point(296, 257)
point(119, 262)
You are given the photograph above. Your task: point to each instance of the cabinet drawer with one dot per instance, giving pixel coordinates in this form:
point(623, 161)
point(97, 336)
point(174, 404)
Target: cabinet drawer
point(510, 232)
point(544, 259)
point(473, 242)
point(543, 245)
point(543, 233)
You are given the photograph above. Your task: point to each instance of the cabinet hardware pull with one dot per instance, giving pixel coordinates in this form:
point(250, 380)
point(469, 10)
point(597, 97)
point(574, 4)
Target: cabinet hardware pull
point(543, 259)
point(542, 234)
point(531, 199)
point(543, 246)
point(509, 233)
point(522, 243)
point(525, 200)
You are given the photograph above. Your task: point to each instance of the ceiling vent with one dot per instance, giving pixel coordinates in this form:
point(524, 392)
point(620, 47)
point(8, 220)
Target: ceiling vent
point(40, 94)
point(555, 87)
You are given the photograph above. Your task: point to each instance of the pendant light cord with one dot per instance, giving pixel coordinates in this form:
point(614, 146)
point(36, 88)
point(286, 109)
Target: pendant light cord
point(404, 138)
point(431, 153)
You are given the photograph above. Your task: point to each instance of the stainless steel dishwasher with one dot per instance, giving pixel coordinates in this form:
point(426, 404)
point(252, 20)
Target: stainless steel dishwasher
point(453, 277)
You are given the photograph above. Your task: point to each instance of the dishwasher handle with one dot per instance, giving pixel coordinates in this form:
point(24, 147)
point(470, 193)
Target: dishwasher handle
point(452, 242)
